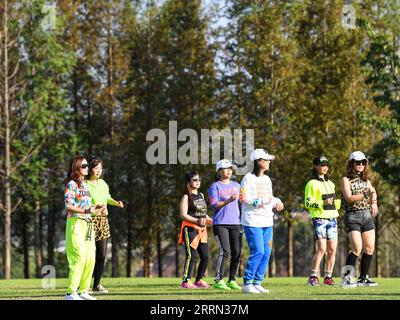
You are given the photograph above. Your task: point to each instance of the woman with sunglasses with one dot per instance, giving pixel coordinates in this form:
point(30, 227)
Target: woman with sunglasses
point(224, 199)
point(80, 247)
point(361, 206)
point(320, 200)
point(193, 211)
point(257, 219)
point(99, 191)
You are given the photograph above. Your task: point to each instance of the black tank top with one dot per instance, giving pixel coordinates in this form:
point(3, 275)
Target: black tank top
point(197, 209)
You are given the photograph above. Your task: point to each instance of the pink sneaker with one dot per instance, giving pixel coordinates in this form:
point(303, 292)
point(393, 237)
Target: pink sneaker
point(201, 284)
point(188, 285)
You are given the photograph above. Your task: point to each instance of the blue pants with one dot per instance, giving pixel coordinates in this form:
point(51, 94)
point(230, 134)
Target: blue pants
point(260, 244)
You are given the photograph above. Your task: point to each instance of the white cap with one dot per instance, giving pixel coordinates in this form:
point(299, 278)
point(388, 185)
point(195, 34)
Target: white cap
point(261, 154)
point(357, 156)
point(224, 164)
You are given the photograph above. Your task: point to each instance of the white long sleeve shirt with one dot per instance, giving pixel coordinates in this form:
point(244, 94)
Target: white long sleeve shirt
point(252, 188)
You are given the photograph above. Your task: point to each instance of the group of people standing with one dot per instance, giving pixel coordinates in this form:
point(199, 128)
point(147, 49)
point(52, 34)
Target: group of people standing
point(247, 207)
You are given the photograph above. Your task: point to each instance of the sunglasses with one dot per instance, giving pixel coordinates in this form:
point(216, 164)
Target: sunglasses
point(84, 166)
point(362, 162)
point(324, 164)
point(196, 180)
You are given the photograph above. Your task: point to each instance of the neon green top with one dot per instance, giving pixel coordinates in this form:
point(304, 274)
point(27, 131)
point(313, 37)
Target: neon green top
point(317, 190)
point(100, 192)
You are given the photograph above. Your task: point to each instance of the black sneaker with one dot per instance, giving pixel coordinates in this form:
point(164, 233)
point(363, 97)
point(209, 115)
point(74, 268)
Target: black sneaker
point(366, 282)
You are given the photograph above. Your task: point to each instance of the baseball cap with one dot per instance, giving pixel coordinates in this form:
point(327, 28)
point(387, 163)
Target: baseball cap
point(261, 154)
point(224, 163)
point(357, 156)
point(320, 159)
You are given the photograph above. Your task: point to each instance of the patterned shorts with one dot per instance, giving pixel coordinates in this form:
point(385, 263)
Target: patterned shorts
point(325, 229)
point(101, 228)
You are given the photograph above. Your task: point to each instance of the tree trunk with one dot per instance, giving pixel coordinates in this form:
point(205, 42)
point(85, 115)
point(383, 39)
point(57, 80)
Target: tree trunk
point(25, 244)
point(51, 231)
point(272, 264)
point(177, 265)
point(7, 160)
point(159, 255)
point(129, 248)
point(1, 248)
point(290, 247)
point(38, 243)
point(378, 269)
point(114, 250)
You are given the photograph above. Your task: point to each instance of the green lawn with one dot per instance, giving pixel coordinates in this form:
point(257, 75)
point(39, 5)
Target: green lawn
point(168, 289)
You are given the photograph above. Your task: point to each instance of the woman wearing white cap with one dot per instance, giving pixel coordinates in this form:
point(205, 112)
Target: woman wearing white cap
point(257, 219)
point(223, 196)
point(361, 205)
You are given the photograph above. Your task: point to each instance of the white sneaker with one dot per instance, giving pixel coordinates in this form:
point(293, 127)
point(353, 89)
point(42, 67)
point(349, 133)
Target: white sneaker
point(86, 296)
point(73, 296)
point(249, 288)
point(260, 288)
point(347, 282)
point(99, 290)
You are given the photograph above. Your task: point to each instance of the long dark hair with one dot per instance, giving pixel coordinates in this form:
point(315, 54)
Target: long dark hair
point(93, 163)
point(74, 170)
point(315, 174)
point(188, 189)
point(352, 174)
point(256, 169)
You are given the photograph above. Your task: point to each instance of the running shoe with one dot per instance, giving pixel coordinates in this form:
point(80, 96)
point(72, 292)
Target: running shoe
point(249, 288)
point(328, 281)
point(201, 284)
point(347, 282)
point(188, 285)
point(260, 288)
point(313, 281)
point(234, 285)
point(221, 285)
point(86, 296)
point(366, 282)
point(99, 290)
point(73, 296)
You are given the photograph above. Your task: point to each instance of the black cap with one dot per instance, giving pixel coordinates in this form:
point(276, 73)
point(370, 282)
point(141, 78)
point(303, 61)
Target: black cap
point(320, 159)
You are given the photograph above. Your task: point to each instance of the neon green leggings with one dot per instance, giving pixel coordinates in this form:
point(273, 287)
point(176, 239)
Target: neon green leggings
point(81, 254)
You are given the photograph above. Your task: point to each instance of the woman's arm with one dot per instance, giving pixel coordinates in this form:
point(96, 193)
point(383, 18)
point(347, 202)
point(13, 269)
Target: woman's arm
point(310, 198)
point(246, 196)
point(115, 203)
point(215, 202)
point(374, 200)
point(184, 205)
point(346, 191)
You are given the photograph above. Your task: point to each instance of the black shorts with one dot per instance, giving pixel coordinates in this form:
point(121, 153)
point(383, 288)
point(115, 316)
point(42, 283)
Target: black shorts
point(359, 220)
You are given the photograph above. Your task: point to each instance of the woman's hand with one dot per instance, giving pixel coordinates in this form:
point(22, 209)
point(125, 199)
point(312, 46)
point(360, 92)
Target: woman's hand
point(100, 210)
point(375, 210)
point(328, 201)
point(120, 204)
point(201, 222)
point(279, 206)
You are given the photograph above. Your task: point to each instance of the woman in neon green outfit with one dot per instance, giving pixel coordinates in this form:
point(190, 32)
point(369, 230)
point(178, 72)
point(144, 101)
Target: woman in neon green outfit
point(320, 201)
point(100, 194)
point(80, 246)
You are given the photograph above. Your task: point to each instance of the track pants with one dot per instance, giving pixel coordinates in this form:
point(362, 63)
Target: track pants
point(229, 242)
point(80, 254)
point(260, 244)
point(191, 254)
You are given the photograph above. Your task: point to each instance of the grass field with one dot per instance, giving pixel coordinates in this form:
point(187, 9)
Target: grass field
point(168, 289)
